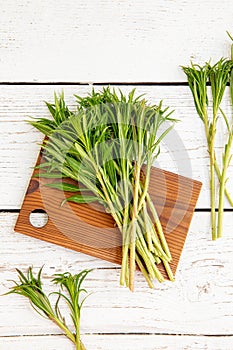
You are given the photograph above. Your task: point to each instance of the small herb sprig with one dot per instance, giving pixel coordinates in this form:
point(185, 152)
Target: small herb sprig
point(30, 286)
point(218, 75)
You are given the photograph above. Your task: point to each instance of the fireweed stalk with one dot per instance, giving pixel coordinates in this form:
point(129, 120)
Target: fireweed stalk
point(218, 76)
point(103, 146)
point(30, 286)
point(227, 154)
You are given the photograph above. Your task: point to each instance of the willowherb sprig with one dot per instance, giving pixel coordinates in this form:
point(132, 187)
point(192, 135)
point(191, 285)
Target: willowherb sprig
point(218, 75)
point(30, 286)
point(103, 145)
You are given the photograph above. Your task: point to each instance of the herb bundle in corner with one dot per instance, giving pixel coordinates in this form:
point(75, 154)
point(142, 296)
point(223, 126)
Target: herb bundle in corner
point(30, 286)
point(103, 145)
point(218, 76)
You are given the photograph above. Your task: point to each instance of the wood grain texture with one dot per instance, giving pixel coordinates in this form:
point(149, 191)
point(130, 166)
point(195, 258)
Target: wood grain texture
point(87, 228)
point(183, 152)
point(115, 342)
point(105, 40)
point(198, 302)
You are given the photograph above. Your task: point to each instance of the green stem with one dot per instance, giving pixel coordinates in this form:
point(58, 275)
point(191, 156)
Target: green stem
point(227, 194)
point(212, 176)
point(133, 226)
point(74, 338)
point(123, 230)
point(132, 265)
point(157, 245)
point(148, 229)
point(154, 235)
point(144, 272)
point(79, 345)
point(212, 194)
point(82, 346)
point(124, 262)
point(220, 206)
point(109, 202)
point(148, 258)
point(159, 227)
point(125, 245)
point(106, 193)
point(166, 266)
point(144, 191)
point(168, 270)
point(78, 341)
point(226, 161)
point(210, 139)
point(67, 332)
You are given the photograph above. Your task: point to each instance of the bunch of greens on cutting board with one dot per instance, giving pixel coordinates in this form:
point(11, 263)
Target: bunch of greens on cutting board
point(103, 145)
point(30, 286)
point(218, 76)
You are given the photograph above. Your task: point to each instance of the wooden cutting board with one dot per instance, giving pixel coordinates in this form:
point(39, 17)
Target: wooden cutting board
point(88, 229)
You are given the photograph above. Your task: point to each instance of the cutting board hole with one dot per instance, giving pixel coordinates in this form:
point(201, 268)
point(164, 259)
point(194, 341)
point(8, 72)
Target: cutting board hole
point(38, 218)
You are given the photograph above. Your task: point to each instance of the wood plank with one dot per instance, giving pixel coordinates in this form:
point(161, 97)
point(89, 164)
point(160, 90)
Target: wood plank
point(184, 151)
point(116, 342)
point(102, 40)
point(199, 302)
point(90, 230)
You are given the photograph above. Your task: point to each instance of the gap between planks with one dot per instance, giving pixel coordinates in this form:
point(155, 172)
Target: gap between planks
point(104, 83)
point(136, 83)
point(122, 334)
point(115, 342)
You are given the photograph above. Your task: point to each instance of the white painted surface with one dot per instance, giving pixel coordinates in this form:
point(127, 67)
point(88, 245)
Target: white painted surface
point(126, 342)
point(113, 41)
point(105, 40)
point(199, 302)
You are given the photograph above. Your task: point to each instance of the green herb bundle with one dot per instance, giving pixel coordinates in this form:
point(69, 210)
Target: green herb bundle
point(218, 76)
point(30, 286)
point(103, 145)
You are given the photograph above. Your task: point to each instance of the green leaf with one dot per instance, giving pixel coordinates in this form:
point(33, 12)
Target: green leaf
point(49, 175)
point(45, 129)
point(63, 186)
point(51, 108)
point(80, 199)
point(80, 150)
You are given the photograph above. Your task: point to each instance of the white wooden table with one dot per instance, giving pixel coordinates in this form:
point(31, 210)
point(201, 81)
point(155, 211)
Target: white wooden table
point(58, 45)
